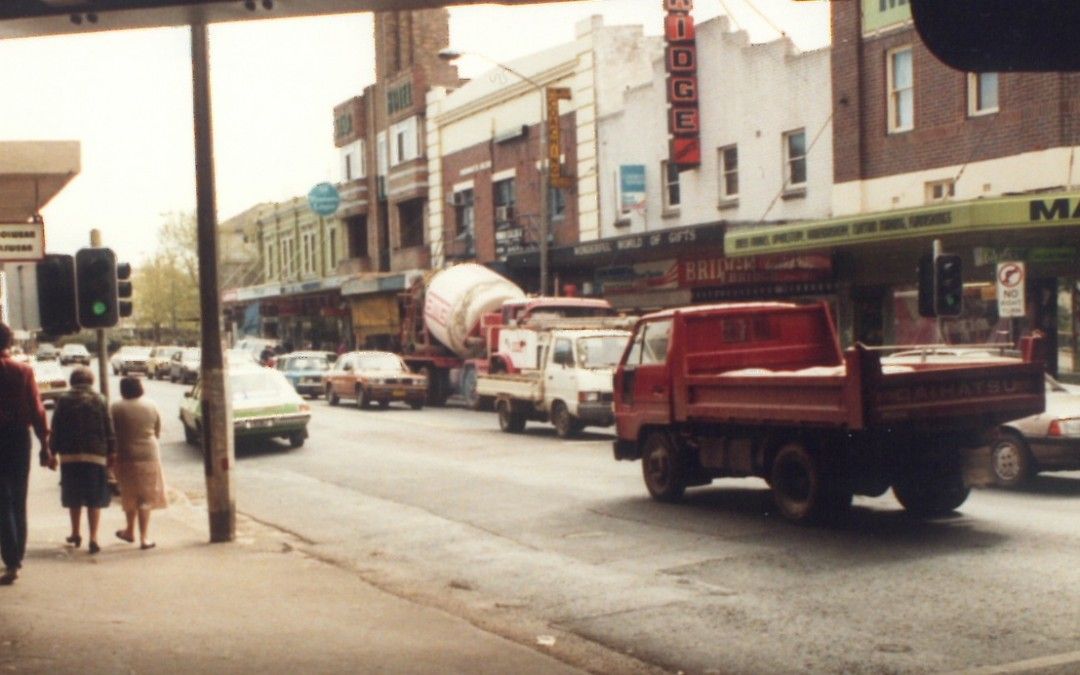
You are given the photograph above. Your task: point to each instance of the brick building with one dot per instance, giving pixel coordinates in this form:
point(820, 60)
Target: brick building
point(983, 162)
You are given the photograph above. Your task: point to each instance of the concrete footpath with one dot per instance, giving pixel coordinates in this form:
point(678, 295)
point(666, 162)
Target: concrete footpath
point(255, 605)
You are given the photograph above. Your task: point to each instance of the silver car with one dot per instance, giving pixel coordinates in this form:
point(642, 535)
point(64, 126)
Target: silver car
point(1049, 441)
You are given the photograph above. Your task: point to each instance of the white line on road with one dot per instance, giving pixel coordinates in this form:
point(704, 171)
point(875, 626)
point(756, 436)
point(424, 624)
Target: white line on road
point(1025, 666)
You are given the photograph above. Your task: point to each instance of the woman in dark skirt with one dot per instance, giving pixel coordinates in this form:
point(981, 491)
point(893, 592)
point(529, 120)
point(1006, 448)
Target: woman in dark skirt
point(85, 444)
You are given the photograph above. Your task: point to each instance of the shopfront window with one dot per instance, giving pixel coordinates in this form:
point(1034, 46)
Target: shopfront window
point(1068, 326)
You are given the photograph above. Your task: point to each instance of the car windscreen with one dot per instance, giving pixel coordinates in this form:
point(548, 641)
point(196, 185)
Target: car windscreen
point(601, 351)
point(305, 363)
point(192, 355)
point(258, 383)
point(380, 362)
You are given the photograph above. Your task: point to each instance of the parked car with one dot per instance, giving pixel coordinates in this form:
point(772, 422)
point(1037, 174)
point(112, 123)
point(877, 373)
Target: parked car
point(47, 351)
point(51, 381)
point(130, 359)
point(157, 366)
point(368, 376)
point(184, 365)
point(1048, 441)
point(73, 352)
point(264, 405)
point(306, 371)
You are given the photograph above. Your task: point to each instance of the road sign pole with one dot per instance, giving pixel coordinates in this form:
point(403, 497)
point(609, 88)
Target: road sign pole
point(102, 336)
point(217, 432)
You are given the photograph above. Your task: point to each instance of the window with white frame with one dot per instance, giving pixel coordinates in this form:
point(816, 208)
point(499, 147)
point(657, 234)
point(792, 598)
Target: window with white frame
point(940, 190)
point(331, 248)
point(672, 196)
point(307, 253)
point(729, 172)
point(271, 260)
point(403, 141)
point(288, 257)
point(901, 84)
point(795, 159)
point(982, 93)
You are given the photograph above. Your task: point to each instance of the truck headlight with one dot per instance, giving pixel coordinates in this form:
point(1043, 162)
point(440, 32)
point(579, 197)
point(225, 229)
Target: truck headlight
point(588, 396)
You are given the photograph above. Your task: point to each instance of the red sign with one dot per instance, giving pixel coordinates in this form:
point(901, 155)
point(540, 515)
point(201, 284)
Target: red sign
point(682, 87)
point(720, 271)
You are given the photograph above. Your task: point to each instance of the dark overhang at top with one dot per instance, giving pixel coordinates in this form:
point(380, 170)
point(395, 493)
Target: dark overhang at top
point(32, 18)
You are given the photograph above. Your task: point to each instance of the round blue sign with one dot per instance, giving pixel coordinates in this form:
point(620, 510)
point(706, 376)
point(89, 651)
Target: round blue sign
point(324, 199)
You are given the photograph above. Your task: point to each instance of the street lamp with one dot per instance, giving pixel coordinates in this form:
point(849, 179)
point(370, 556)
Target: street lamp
point(544, 225)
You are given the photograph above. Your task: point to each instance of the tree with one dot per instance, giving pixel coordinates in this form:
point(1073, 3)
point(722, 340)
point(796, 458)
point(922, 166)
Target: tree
point(166, 286)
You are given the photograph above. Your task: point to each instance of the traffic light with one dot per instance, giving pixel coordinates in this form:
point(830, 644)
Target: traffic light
point(124, 289)
point(56, 295)
point(948, 285)
point(96, 287)
point(926, 286)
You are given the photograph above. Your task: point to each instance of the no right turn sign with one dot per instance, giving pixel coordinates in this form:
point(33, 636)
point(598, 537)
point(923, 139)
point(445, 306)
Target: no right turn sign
point(1010, 289)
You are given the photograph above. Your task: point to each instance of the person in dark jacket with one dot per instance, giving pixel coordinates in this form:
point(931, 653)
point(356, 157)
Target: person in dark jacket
point(83, 440)
point(20, 409)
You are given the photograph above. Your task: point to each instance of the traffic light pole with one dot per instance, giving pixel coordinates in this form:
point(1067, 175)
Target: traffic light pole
point(217, 436)
point(101, 335)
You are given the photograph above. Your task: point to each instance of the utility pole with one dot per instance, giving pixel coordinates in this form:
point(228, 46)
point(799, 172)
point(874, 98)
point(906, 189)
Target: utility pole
point(102, 336)
point(217, 429)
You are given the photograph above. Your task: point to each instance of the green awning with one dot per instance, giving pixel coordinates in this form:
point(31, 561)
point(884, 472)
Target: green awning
point(981, 215)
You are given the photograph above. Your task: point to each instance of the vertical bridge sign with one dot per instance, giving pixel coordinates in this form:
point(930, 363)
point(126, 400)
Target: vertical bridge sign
point(1010, 289)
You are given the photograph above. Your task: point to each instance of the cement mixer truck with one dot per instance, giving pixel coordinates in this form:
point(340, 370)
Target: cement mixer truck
point(451, 320)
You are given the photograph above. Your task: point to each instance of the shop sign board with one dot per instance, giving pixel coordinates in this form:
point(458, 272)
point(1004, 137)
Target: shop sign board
point(982, 215)
point(1010, 289)
point(712, 271)
point(22, 242)
point(631, 187)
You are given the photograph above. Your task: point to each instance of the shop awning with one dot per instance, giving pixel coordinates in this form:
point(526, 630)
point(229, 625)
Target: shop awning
point(1049, 210)
point(32, 173)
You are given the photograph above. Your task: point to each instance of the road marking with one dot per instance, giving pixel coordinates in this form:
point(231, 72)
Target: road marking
point(1025, 666)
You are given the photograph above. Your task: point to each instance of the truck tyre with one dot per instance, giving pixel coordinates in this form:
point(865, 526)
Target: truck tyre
point(928, 491)
point(664, 467)
point(509, 421)
point(1010, 459)
point(565, 424)
point(331, 397)
point(296, 439)
point(416, 405)
point(437, 386)
point(803, 489)
point(362, 400)
point(190, 435)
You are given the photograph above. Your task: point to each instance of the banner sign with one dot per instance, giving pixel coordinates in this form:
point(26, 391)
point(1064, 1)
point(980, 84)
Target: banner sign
point(631, 187)
point(684, 150)
point(714, 271)
point(554, 136)
point(22, 242)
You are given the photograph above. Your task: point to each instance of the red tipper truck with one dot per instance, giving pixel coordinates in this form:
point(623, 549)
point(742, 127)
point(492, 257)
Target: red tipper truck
point(763, 389)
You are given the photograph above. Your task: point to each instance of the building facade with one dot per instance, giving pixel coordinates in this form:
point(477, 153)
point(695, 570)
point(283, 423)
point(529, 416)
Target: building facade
point(765, 160)
point(981, 162)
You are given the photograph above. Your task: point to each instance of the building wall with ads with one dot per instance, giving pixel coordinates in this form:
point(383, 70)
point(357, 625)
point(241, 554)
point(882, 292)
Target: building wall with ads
point(499, 113)
point(751, 95)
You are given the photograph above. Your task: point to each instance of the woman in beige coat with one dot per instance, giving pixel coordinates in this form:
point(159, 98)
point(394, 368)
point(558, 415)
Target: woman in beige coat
point(138, 463)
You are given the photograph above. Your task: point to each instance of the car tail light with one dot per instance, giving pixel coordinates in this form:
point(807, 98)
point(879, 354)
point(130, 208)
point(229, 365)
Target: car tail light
point(1065, 427)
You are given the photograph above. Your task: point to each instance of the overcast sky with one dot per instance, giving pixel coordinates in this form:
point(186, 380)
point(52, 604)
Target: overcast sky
point(126, 97)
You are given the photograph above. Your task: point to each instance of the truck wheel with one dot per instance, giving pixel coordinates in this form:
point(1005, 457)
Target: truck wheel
point(928, 491)
point(416, 405)
point(191, 435)
point(331, 397)
point(565, 424)
point(802, 489)
point(509, 421)
point(296, 439)
point(362, 400)
point(1010, 459)
point(664, 467)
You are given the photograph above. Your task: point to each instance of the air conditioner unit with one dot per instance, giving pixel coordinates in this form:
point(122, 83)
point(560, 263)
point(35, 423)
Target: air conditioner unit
point(458, 199)
point(504, 214)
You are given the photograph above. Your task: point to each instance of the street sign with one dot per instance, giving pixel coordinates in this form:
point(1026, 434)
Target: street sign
point(22, 242)
point(324, 199)
point(1010, 289)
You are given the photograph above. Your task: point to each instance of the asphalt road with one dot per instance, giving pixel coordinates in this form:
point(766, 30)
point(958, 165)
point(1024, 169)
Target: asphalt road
point(538, 539)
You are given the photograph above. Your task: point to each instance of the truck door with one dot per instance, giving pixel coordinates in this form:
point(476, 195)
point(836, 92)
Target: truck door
point(645, 387)
point(560, 376)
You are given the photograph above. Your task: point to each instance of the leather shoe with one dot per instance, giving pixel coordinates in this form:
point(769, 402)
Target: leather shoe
point(9, 576)
point(75, 540)
point(94, 548)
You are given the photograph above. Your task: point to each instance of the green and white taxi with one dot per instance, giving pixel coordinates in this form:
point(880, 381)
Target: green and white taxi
point(264, 405)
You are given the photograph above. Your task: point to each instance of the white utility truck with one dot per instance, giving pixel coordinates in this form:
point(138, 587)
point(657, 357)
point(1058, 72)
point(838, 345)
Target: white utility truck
point(558, 370)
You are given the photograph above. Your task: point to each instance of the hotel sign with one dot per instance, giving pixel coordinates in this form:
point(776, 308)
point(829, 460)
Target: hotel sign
point(22, 242)
point(982, 215)
point(880, 14)
point(684, 122)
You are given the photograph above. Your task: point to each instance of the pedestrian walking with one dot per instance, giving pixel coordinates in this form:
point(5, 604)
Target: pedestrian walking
point(20, 409)
point(137, 423)
point(83, 440)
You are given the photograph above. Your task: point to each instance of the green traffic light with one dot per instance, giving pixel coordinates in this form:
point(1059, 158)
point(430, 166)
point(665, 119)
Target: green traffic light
point(99, 308)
